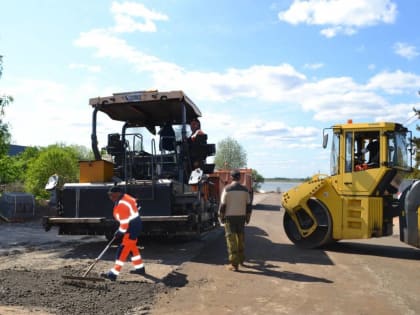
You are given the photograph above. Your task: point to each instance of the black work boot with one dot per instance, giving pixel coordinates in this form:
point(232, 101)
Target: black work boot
point(109, 275)
point(140, 271)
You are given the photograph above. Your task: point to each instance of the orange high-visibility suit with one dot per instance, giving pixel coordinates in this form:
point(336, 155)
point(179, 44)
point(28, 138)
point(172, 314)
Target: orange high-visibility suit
point(126, 213)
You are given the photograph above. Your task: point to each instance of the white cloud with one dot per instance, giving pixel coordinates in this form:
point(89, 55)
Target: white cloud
point(108, 45)
point(401, 112)
point(372, 66)
point(60, 103)
point(258, 81)
point(395, 82)
point(340, 16)
point(126, 12)
point(334, 30)
point(314, 66)
point(89, 68)
point(266, 128)
point(336, 106)
point(330, 99)
point(276, 134)
point(405, 50)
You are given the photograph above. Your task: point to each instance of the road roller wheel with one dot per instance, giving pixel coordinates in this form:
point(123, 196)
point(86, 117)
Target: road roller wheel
point(322, 234)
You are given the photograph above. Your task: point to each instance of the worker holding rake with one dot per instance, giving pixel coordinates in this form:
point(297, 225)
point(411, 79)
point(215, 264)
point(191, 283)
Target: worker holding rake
point(127, 214)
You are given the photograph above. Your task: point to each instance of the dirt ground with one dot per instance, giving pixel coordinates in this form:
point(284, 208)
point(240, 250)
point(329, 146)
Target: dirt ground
point(33, 263)
point(31, 279)
point(375, 276)
point(36, 290)
point(378, 276)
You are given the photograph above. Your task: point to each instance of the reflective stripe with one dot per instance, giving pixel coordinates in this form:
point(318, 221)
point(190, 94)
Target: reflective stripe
point(122, 230)
point(133, 216)
point(119, 263)
point(139, 266)
point(132, 211)
point(125, 221)
point(138, 257)
point(115, 272)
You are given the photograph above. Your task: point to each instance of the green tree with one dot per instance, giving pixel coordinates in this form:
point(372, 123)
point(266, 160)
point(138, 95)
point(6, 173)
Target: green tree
point(230, 154)
point(9, 170)
point(4, 138)
point(416, 143)
point(13, 168)
point(55, 159)
point(83, 153)
point(416, 171)
point(4, 128)
point(258, 179)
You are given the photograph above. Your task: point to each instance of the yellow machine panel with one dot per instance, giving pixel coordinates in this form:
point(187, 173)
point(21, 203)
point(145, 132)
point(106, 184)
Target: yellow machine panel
point(362, 217)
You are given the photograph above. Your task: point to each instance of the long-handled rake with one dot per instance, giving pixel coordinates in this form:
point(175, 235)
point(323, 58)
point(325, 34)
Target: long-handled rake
point(84, 277)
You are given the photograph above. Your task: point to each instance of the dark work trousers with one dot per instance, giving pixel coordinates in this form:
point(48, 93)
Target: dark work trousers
point(235, 239)
point(128, 247)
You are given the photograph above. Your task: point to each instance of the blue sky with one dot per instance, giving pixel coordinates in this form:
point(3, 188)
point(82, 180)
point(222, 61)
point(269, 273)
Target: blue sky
point(270, 74)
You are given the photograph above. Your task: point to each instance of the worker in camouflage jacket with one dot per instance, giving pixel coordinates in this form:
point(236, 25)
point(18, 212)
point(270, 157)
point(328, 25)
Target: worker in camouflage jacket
point(235, 211)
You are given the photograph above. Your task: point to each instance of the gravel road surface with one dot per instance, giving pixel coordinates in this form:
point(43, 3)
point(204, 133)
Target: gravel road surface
point(376, 276)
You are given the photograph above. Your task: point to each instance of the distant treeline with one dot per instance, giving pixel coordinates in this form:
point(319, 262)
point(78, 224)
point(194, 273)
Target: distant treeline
point(284, 179)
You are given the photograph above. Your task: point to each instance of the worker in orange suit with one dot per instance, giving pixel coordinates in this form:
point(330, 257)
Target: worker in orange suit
point(127, 214)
